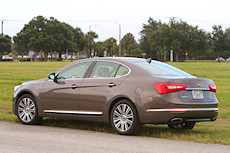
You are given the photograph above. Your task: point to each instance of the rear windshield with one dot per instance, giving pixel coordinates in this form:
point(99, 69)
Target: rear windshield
point(161, 69)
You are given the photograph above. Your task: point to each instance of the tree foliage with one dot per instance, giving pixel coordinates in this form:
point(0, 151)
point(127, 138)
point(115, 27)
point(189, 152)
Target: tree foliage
point(89, 41)
point(221, 41)
point(179, 37)
point(151, 26)
point(126, 42)
point(110, 44)
point(48, 35)
point(5, 44)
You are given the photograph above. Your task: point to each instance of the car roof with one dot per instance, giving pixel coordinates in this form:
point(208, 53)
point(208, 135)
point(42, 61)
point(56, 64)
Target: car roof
point(118, 59)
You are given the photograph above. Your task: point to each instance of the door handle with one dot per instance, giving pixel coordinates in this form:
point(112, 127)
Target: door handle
point(111, 85)
point(73, 86)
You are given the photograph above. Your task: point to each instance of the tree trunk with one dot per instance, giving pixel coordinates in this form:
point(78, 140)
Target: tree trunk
point(51, 52)
point(42, 55)
point(177, 56)
point(165, 53)
point(128, 49)
point(59, 56)
point(71, 58)
point(45, 54)
point(87, 50)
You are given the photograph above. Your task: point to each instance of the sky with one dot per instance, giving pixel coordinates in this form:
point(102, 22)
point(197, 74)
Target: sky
point(104, 16)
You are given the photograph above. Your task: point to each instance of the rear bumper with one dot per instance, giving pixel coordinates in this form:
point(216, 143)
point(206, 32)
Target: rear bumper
point(158, 116)
point(183, 110)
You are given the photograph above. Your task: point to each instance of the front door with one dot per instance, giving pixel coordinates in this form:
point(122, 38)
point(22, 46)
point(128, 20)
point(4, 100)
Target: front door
point(61, 97)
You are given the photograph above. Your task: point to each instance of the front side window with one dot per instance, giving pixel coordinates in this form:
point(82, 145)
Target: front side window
point(75, 71)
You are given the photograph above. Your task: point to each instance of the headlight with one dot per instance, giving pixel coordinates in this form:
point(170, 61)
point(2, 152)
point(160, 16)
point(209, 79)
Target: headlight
point(16, 88)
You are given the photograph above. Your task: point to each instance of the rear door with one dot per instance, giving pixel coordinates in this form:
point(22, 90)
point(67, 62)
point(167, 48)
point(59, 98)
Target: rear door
point(99, 87)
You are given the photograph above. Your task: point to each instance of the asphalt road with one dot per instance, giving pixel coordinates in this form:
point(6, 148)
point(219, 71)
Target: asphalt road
point(18, 138)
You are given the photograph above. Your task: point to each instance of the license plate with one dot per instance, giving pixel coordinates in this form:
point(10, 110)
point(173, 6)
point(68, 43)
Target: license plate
point(197, 94)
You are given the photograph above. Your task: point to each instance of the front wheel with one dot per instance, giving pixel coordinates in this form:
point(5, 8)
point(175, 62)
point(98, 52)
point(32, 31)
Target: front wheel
point(177, 126)
point(124, 118)
point(27, 110)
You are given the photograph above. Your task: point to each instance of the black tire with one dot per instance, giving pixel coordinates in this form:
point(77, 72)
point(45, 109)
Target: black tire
point(186, 125)
point(125, 113)
point(27, 111)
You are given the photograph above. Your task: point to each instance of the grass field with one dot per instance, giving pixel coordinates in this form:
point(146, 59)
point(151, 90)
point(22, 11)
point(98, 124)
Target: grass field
point(218, 132)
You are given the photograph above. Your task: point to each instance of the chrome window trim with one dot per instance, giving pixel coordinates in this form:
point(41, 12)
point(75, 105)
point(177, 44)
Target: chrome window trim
point(113, 62)
point(70, 66)
point(182, 109)
point(59, 71)
point(73, 112)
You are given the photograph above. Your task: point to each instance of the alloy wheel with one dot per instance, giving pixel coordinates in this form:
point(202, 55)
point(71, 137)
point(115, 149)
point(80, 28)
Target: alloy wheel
point(26, 109)
point(123, 117)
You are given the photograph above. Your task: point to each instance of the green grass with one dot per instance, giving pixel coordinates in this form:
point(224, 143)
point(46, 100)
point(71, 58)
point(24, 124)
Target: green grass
point(218, 132)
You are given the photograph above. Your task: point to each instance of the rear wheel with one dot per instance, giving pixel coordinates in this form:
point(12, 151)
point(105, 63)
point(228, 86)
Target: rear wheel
point(186, 125)
point(124, 118)
point(27, 110)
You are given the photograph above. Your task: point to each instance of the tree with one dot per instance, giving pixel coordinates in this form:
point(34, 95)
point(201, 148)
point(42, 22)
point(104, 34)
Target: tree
point(136, 51)
point(5, 44)
point(110, 43)
point(221, 41)
point(99, 48)
point(49, 35)
point(79, 38)
point(159, 40)
point(89, 41)
point(180, 37)
point(226, 53)
point(152, 25)
point(126, 42)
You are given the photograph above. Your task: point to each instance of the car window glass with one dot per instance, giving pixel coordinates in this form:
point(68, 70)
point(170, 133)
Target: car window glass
point(122, 71)
point(76, 71)
point(161, 69)
point(104, 69)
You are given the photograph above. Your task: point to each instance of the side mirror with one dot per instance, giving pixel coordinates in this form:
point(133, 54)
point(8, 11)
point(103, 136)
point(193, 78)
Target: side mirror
point(52, 76)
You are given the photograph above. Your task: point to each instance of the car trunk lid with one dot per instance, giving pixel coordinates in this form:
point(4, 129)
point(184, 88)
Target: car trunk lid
point(197, 89)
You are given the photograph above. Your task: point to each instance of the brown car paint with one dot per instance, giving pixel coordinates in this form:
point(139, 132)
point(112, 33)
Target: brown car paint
point(95, 95)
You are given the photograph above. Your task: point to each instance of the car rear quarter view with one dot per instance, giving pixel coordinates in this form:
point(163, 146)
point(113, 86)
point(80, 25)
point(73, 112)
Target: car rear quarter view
point(125, 92)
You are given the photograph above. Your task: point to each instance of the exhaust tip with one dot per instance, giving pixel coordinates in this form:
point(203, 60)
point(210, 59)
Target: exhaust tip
point(177, 120)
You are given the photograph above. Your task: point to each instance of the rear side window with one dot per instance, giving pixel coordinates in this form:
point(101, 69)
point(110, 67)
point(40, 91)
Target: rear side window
point(122, 71)
point(104, 69)
point(161, 69)
point(108, 69)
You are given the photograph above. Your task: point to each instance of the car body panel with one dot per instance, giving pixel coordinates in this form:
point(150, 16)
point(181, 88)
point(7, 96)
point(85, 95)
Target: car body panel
point(92, 99)
point(100, 93)
point(59, 95)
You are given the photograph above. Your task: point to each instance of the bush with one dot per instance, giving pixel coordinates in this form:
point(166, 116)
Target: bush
point(21, 59)
point(6, 60)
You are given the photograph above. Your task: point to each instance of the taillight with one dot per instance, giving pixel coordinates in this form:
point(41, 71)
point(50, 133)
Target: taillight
point(164, 88)
point(212, 87)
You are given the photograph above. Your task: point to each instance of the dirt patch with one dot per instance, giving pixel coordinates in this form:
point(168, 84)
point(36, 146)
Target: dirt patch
point(6, 89)
point(4, 107)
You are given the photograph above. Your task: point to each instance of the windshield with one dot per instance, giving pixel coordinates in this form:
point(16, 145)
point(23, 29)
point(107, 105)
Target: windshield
point(161, 69)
